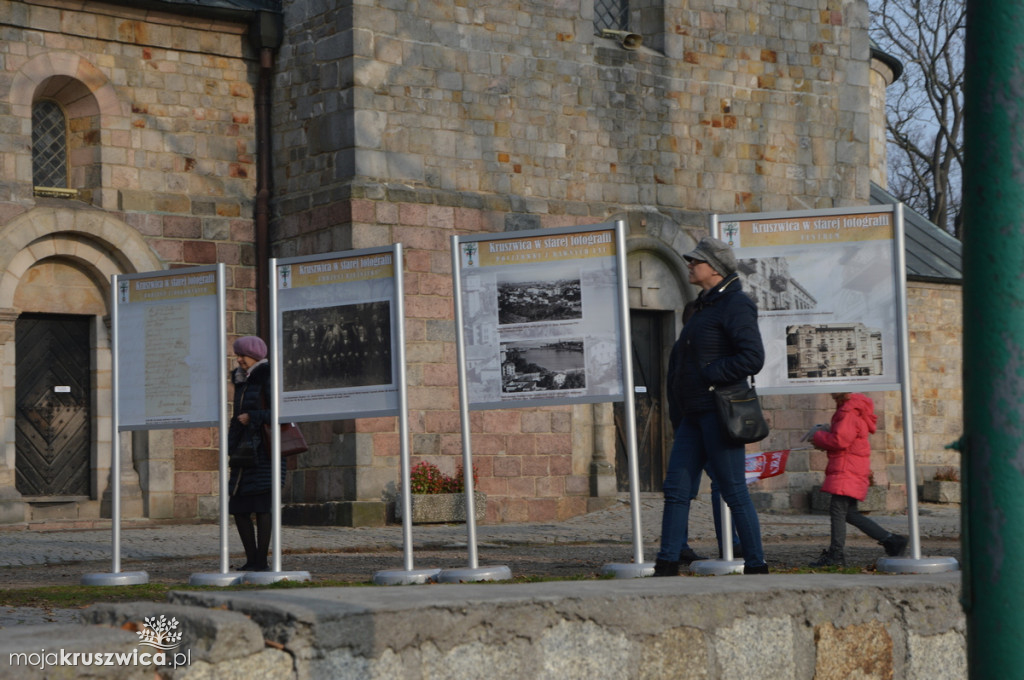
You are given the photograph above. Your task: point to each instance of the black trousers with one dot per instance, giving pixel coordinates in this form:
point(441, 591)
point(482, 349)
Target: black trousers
point(842, 511)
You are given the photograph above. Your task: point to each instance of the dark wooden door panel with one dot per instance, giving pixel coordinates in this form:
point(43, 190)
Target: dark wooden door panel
point(52, 393)
point(646, 331)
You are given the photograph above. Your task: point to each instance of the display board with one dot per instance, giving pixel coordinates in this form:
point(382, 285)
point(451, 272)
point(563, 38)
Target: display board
point(826, 285)
point(541, 317)
point(167, 345)
point(337, 335)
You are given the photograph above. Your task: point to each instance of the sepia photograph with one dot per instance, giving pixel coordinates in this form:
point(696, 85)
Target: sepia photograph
point(773, 287)
point(834, 350)
point(542, 365)
point(337, 347)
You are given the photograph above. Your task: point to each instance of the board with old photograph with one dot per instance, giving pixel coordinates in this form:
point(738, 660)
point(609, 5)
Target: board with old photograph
point(337, 334)
point(825, 283)
point(541, 317)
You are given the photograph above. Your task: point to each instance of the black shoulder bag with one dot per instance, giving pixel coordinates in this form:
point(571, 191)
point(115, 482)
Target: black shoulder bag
point(740, 411)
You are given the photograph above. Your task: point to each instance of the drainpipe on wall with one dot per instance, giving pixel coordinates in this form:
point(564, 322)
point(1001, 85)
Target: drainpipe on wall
point(266, 35)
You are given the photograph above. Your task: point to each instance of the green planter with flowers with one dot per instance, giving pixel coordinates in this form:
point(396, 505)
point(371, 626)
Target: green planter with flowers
point(438, 498)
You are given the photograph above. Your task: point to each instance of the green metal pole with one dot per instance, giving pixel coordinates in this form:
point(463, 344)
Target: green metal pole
point(993, 348)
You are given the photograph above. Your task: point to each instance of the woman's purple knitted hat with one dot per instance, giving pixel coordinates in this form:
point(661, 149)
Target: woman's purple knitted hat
point(251, 346)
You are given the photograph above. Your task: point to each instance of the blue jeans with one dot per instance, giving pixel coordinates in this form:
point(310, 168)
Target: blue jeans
point(716, 514)
point(700, 441)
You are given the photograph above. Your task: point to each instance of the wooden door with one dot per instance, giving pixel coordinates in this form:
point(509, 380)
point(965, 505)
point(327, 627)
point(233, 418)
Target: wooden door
point(53, 410)
point(646, 329)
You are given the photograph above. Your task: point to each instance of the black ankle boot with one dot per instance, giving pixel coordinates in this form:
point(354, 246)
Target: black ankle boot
point(894, 544)
point(763, 569)
point(830, 557)
point(666, 568)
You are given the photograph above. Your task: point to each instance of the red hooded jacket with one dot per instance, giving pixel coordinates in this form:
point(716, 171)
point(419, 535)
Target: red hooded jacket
point(849, 454)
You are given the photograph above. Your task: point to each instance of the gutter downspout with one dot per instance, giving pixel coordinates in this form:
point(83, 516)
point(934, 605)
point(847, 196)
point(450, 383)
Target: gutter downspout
point(263, 179)
point(266, 35)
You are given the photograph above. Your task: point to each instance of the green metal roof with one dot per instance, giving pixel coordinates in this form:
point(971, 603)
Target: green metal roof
point(932, 254)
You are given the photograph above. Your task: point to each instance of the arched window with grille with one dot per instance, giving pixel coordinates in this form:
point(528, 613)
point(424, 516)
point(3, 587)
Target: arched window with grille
point(49, 145)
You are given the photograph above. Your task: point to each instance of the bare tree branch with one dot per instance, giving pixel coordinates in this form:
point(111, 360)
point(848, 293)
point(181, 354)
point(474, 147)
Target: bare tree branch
point(924, 108)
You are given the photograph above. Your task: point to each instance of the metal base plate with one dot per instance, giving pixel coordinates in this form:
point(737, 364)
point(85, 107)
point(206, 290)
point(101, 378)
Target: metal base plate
point(470, 575)
point(923, 565)
point(264, 578)
point(716, 567)
point(121, 578)
point(628, 570)
point(233, 578)
point(397, 577)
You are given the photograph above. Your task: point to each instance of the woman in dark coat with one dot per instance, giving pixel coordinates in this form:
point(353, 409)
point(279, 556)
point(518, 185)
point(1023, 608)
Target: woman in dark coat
point(720, 345)
point(249, 487)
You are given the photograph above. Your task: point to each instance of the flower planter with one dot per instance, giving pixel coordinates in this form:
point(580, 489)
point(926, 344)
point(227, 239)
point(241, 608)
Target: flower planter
point(441, 508)
point(940, 492)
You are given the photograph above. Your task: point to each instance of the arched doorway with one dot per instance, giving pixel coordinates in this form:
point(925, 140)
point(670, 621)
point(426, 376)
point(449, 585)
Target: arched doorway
point(54, 298)
point(657, 293)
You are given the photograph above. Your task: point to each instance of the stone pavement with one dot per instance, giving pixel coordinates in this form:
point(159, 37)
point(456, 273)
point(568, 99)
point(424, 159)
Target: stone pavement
point(91, 548)
point(41, 555)
point(39, 546)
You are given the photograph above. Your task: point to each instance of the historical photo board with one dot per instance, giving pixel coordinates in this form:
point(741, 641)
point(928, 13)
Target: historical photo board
point(167, 344)
point(541, 317)
point(336, 325)
point(826, 287)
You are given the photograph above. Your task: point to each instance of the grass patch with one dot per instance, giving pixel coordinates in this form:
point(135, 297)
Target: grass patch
point(77, 597)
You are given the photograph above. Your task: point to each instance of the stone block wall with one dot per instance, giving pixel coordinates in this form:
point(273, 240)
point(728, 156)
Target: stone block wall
point(751, 106)
point(935, 319)
point(829, 627)
point(161, 139)
point(415, 121)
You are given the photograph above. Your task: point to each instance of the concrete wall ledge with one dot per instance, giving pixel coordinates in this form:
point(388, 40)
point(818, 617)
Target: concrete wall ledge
point(792, 627)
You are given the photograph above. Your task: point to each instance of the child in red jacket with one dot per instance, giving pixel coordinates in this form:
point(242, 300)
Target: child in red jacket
point(847, 476)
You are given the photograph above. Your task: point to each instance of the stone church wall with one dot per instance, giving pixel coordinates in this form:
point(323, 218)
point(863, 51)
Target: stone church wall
point(415, 121)
point(411, 122)
point(161, 143)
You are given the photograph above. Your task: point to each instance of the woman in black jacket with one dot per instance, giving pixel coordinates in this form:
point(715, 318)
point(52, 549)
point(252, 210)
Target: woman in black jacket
point(719, 345)
point(249, 487)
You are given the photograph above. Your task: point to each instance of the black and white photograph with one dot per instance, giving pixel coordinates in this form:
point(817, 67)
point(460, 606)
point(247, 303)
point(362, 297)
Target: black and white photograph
point(773, 286)
point(535, 300)
point(542, 365)
point(336, 347)
point(542, 317)
point(833, 350)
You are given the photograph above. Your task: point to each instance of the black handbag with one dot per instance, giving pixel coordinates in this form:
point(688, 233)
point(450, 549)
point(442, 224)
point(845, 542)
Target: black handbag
point(740, 411)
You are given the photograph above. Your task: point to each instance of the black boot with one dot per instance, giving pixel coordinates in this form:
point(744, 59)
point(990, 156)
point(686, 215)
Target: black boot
point(666, 568)
point(263, 532)
point(894, 544)
point(763, 569)
point(247, 533)
point(737, 552)
point(832, 557)
point(687, 555)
